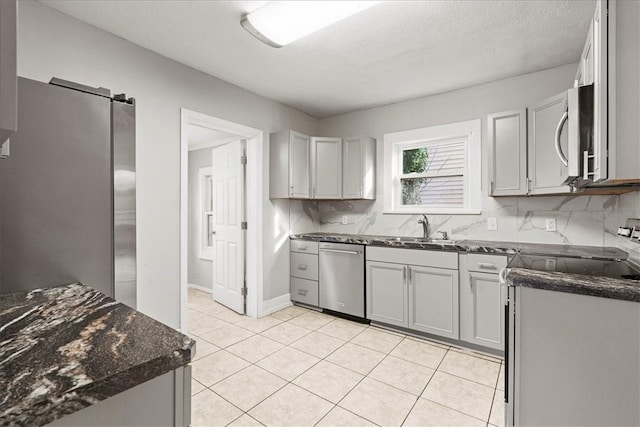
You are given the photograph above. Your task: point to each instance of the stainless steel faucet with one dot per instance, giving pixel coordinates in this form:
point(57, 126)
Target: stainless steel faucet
point(425, 226)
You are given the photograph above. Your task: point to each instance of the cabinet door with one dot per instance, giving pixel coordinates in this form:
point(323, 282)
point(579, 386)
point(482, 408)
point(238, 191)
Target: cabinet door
point(546, 171)
point(482, 310)
point(326, 161)
point(387, 293)
point(508, 153)
point(299, 150)
point(8, 76)
point(433, 301)
point(359, 168)
point(352, 167)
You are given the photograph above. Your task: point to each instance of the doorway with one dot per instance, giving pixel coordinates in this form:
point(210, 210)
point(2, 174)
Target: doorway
point(220, 211)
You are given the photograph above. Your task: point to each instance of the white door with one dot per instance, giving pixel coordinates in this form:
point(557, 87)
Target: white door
point(228, 199)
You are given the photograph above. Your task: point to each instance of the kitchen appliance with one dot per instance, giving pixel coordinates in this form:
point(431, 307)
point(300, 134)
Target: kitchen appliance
point(67, 191)
point(341, 278)
point(578, 118)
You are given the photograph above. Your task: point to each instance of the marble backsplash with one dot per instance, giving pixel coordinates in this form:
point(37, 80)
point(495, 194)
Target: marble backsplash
point(580, 220)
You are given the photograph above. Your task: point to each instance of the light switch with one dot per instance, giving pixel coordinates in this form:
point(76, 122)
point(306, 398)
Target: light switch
point(550, 224)
point(492, 224)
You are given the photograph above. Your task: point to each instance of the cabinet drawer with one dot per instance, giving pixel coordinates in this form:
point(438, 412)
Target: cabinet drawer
point(486, 263)
point(419, 257)
point(305, 246)
point(305, 291)
point(304, 266)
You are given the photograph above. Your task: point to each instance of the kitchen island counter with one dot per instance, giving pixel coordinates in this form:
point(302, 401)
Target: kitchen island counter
point(68, 347)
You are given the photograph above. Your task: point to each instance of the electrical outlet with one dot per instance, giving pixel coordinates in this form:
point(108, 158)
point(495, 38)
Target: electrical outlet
point(550, 224)
point(492, 224)
point(550, 264)
point(345, 220)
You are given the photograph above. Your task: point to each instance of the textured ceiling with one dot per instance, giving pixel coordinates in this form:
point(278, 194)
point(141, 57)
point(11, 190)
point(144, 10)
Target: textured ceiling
point(391, 52)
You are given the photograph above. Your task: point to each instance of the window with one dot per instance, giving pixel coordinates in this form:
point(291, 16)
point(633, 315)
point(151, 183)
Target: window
point(205, 221)
point(433, 170)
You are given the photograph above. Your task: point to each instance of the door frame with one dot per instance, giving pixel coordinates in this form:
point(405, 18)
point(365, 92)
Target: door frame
point(253, 208)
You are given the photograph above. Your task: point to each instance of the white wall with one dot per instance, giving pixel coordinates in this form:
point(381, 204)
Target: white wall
point(53, 44)
point(200, 271)
point(580, 220)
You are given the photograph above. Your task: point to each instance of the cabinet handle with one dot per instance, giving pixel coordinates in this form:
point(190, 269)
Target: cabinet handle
point(404, 274)
point(302, 267)
point(302, 248)
point(409, 275)
point(302, 292)
point(487, 265)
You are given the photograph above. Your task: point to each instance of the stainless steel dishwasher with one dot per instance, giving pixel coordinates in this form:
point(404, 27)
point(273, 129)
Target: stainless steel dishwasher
point(341, 278)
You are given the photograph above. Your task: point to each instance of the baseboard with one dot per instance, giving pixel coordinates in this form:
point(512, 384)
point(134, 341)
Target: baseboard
point(200, 288)
point(276, 304)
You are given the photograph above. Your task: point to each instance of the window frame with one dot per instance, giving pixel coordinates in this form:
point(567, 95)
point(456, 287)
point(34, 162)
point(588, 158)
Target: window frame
point(396, 143)
point(204, 250)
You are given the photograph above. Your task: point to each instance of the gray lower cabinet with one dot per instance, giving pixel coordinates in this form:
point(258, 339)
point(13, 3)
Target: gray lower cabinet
point(162, 401)
point(387, 297)
point(8, 70)
point(304, 272)
point(409, 288)
point(482, 300)
point(433, 300)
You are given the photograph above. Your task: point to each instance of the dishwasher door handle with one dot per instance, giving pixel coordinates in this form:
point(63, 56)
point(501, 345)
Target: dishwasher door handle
point(340, 251)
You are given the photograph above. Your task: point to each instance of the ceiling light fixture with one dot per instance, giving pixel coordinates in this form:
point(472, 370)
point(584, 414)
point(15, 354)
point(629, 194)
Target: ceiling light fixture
point(279, 23)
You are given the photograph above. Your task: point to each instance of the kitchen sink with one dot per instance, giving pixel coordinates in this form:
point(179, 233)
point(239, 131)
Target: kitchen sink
point(422, 240)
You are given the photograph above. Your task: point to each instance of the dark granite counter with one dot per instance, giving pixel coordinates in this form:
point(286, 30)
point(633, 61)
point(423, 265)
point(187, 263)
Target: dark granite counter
point(68, 347)
point(598, 286)
point(471, 246)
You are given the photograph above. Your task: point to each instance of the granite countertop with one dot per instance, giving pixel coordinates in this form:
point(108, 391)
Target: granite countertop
point(471, 246)
point(598, 286)
point(67, 347)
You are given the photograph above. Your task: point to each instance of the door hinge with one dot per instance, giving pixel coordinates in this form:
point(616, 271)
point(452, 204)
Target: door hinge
point(244, 291)
point(243, 225)
point(243, 160)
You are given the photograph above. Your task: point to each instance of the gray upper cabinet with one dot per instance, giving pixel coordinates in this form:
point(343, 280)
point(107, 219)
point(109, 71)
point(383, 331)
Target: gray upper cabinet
point(8, 74)
point(289, 164)
point(546, 171)
point(433, 300)
point(359, 168)
point(326, 168)
point(507, 133)
point(304, 167)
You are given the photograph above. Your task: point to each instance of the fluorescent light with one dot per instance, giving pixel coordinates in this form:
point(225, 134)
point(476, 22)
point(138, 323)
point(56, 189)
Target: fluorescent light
point(278, 23)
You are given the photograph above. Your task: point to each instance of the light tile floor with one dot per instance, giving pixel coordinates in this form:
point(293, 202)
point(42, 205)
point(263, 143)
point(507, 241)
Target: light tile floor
point(298, 367)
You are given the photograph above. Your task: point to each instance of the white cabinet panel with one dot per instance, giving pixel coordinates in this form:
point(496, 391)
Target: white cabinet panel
point(508, 153)
point(359, 168)
point(546, 171)
point(482, 309)
point(433, 301)
point(387, 293)
point(299, 146)
point(289, 165)
point(326, 167)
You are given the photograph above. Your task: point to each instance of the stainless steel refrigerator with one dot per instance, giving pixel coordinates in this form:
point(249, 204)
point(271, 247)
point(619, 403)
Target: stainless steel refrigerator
point(67, 191)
